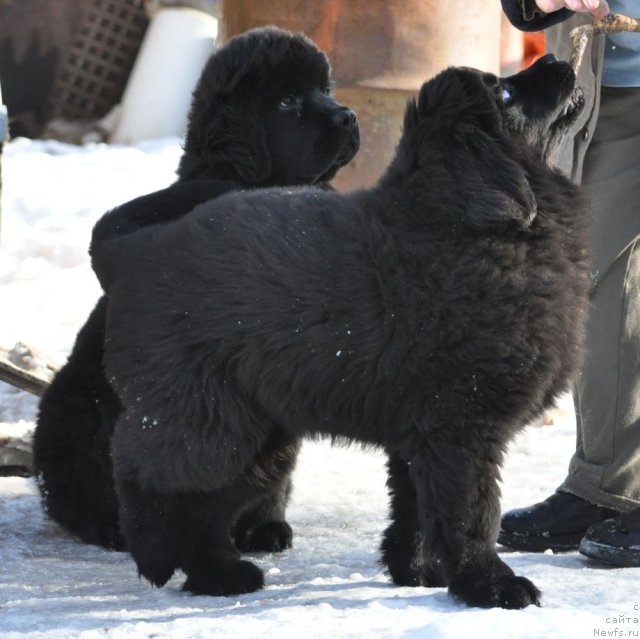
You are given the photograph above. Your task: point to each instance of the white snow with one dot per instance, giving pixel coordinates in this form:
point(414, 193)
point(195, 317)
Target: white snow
point(330, 584)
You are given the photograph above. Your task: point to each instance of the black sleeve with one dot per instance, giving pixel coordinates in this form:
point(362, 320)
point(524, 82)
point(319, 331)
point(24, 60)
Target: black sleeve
point(525, 15)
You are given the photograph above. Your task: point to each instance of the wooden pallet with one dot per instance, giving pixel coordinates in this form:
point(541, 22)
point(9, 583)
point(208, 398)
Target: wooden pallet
point(26, 368)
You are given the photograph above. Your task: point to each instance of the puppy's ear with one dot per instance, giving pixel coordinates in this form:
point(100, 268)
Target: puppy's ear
point(237, 139)
point(497, 191)
point(441, 95)
point(225, 139)
point(458, 95)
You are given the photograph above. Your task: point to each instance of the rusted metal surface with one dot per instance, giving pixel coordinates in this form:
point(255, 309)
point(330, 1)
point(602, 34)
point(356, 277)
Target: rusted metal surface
point(381, 52)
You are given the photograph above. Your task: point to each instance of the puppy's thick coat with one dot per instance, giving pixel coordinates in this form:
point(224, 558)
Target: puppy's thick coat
point(262, 114)
point(433, 315)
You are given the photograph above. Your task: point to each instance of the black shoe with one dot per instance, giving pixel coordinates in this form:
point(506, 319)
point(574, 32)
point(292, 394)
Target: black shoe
point(558, 523)
point(615, 541)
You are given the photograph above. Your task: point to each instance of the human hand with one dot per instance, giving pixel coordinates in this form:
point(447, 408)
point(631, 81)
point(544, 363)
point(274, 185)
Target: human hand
point(597, 8)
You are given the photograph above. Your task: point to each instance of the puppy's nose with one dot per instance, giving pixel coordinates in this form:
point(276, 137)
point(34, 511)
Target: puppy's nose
point(345, 118)
point(547, 59)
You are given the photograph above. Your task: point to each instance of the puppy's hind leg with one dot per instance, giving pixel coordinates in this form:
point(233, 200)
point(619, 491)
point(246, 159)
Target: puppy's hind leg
point(244, 507)
point(405, 551)
point(71, 442)
point(165, 531)
point(208, 555)
point(455, 479)
point(262, 527)
point(150, 525)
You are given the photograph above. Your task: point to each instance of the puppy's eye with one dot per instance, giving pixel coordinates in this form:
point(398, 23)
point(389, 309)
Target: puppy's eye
point(327, 91)
point(505, 94)
point(287, 102)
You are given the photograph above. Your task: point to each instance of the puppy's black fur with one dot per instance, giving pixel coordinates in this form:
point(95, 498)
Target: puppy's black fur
point(433, 315)
point(262, 114)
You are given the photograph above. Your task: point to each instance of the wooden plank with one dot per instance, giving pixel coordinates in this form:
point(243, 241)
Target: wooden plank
point(26, 369)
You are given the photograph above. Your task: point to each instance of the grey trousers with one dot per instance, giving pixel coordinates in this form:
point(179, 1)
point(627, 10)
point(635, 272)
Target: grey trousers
point(605, 468)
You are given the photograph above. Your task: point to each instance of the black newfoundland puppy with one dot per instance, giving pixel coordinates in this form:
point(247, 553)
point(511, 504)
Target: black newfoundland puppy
point(262, 114)
point(433, 315)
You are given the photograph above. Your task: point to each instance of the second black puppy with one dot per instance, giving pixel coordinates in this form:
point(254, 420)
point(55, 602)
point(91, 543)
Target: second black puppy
point(433, 315)
point(262, 114)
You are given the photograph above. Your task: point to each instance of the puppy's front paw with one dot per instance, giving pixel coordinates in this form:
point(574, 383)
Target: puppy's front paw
point(412, 574)
point(502, 591)
point(228, 578)
point(273, 536)
point(403, 556)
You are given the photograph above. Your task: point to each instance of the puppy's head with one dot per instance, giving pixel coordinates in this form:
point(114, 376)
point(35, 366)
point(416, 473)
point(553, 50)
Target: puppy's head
point(535, 107)
point(486, 133)
point(263, 113)
point(540, 103)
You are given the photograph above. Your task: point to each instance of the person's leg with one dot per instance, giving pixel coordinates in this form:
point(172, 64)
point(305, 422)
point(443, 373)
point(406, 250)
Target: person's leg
point(604, 474)
point(605, 468)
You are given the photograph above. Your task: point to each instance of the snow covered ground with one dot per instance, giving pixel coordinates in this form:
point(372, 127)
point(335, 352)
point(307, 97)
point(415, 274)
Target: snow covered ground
point(330, 584)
